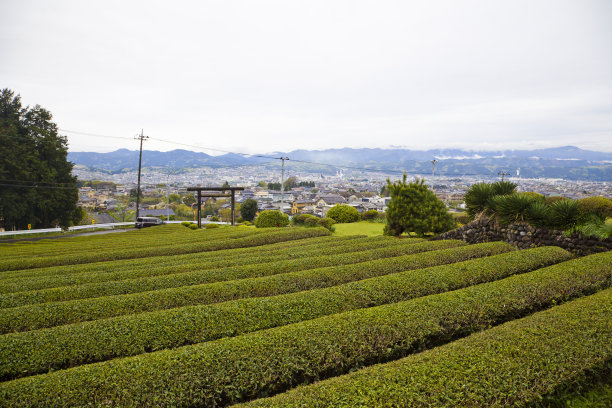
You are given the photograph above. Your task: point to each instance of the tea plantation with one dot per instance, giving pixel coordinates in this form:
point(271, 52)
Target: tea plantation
point(296, 317)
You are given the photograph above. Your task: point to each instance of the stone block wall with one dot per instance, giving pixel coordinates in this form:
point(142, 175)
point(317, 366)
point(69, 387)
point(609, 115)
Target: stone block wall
point(526, 236)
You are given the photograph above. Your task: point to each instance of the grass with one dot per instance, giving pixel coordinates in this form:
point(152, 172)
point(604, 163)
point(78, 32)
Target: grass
point(370, 229)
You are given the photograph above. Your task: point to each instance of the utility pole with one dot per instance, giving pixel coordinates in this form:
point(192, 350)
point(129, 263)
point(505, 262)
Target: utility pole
point(282, 182)
point(433, 167)
point(502, 174)
point(142, 137)
point(168, 198)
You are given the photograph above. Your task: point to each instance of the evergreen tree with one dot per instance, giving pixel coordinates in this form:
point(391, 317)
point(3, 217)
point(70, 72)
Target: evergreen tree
point(248, 209)
point(37, 185)
point(415, 208)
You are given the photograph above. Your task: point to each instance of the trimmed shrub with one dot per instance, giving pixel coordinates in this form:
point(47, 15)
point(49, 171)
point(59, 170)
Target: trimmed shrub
point(176, 294)
point(269, 361)
point(369, 215)
point(193, 226)
point(36, 351)
point(522, 362)
point(343, 213)
point(300, 219)
point(327, 223)
point(212, 226)
point(186, 223)
point(139, 268)
point(551, 199)
point(270, 219)
point(231, 238)
point(49, 277)
point(214, 218)
point(600, 206)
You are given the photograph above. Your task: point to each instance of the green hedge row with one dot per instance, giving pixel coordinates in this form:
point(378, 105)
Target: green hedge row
point(205, 275)
point(136, 239)
point(115, 271)
point(515, 364)
point(256, 239)
point(37, 316)
point(39, 351)
point(177, 260)
point(266, 362)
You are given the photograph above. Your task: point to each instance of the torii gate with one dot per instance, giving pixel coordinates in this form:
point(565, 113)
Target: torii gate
point(222, 190)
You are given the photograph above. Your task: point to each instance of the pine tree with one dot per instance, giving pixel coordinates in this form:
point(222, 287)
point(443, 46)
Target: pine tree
point(415, 208)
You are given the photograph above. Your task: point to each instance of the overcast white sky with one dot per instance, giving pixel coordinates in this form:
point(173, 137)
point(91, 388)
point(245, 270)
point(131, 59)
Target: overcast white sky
point(261, 76)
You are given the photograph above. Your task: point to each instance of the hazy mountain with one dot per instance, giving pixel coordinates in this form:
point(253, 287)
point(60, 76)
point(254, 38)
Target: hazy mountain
point(561, 162)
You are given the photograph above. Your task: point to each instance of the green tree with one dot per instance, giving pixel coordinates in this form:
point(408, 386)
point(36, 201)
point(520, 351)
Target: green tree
point(248, 209)
point(122, 214)
point(274, 186)
point(37, 185)
point(415, 208)
point(271, 218)
point(189, 199)
point(133, 194)
point(290, 183)
point(343, 213)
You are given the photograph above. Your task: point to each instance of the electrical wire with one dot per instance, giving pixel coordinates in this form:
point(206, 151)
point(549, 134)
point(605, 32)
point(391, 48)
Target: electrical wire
point(268, 157)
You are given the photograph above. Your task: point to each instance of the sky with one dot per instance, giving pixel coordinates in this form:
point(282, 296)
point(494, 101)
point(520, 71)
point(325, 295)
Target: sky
point(264, 76)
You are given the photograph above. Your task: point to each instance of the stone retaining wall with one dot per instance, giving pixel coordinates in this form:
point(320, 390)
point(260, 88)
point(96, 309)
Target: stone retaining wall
point(526, 236)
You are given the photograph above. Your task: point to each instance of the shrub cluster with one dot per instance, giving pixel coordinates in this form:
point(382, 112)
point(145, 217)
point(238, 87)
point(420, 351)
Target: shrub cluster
point(370, 215)
point(236, 238)
point(343, 213)
point(35, 352)
point(316, 274)
point(270, 219)
point(43, 278)
point(507, 206)
point(206, 273)
point(516, 364)
point(266, 362)
point(39, 278)
point(308, 220)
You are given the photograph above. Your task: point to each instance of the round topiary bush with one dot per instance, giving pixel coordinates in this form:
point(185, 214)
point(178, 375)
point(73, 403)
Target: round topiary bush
point(211, 226)
point(327, 223)
point(185, 224)
point(214, 218)
point(193, 226)
point(370, 215)
point(271, 218)
point(343, 213)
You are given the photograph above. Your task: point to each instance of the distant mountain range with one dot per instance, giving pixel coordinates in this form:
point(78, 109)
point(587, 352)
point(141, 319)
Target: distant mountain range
point(566, 162)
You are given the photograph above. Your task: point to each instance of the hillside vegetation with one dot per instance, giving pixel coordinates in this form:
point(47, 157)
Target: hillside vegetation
point(169, 316)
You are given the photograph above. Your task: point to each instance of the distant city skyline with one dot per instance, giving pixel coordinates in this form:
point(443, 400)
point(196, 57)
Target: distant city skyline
point(266, 76)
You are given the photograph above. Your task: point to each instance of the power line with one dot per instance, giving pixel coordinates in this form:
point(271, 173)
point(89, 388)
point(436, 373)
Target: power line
point(95, 134)
point(371, 170)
